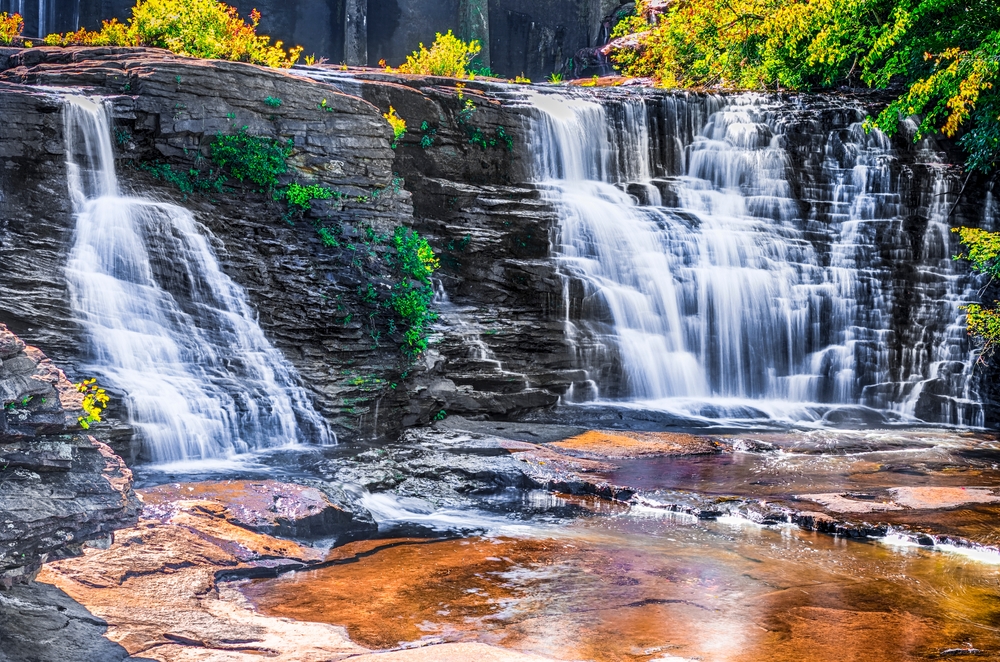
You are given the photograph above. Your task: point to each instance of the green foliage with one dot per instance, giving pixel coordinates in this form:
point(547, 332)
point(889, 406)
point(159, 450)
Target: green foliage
point(188, 181)
point(498, 139)
point(984, 254)
point(415, 257)
point(95, 401)
point(478, 137)
point(122, 137)
point(448, 56)
point(441, 415)
point(328, 237)
point(482, 72)
point(411, 298)
point(427, 135)
point(983, 250)
point(555, 77)
point(273, 102)
point(945, 52)
point(11, 26)
point(256, 159)
point(198, 28)
point(984, 323)
point(398, 125)
point(301, 197)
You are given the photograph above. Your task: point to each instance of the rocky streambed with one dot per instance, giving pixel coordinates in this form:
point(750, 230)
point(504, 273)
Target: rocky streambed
point(471, 540)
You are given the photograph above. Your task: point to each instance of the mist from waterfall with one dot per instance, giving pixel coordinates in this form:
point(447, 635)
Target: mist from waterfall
point(164, 324)
point(707, 286)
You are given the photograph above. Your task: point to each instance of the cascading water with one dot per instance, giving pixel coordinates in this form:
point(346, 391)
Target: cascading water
point(713, 285)
point(165, 324)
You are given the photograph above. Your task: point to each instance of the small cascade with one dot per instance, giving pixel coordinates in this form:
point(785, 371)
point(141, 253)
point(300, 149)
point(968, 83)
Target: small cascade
point(165, 325)
point(703, 276)
point(479, 367)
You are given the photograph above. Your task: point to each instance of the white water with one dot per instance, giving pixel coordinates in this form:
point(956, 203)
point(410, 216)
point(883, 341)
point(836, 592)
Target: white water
point(165, 325)
point(723, 303)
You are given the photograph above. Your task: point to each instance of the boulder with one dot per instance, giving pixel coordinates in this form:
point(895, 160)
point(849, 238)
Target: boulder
point(60, 486)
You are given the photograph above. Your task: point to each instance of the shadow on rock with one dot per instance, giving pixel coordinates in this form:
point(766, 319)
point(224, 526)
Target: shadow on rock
point(40, 623)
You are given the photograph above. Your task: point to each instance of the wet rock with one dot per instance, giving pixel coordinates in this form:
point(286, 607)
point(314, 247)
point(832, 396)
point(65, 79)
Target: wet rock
point(164, 588)
point(40, 623)
point(900, 498)
point(60, 486)
point(269, 507)
point(627, 444)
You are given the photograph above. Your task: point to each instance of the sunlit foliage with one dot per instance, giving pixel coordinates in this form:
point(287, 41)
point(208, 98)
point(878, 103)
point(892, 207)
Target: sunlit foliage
point(198, 28)
point(945, 54)
point(11, 26)
point(983, 253)
point(447, 56)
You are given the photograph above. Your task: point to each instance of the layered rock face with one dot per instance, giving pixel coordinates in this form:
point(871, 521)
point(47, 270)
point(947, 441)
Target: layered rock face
point(491, 226)
point(60, 486)
point(167, 110)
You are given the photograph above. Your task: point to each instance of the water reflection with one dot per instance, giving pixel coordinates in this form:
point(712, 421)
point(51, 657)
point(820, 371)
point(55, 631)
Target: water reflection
point(634, 586)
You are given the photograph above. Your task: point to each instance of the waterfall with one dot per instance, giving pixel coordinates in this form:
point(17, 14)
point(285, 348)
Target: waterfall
point(715, 284)
point(164, 324)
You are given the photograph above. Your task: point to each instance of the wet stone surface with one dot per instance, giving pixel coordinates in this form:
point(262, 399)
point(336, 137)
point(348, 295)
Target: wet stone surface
point(568, 544)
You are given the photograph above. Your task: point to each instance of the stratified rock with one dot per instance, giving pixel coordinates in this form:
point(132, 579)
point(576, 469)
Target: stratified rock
point(60, 487)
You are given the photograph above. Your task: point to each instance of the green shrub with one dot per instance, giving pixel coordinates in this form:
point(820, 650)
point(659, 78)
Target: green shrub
point(256, 159)
point(983, 251)
point(448, 56)
point(411, 298)
point(188, 181)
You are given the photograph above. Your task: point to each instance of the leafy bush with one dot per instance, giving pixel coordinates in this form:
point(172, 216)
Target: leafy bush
point(252, 158)
point(945, 52)
point(198, 28)
point(398, 125)
point(411, 298)
point(448, 56)
point(11, 26)
point(112, 33)
point(188, 181)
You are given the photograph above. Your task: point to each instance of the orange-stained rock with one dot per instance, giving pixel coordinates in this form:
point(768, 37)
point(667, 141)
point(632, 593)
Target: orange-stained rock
point(629, 444)
point(904, 498)
point(158, 586)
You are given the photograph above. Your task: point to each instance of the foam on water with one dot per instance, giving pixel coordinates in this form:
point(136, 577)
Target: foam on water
point(712, 288)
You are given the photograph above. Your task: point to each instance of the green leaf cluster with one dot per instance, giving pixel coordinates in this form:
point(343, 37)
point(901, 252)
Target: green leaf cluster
point(983, 252)
point(256, 159)
point(411, 297)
